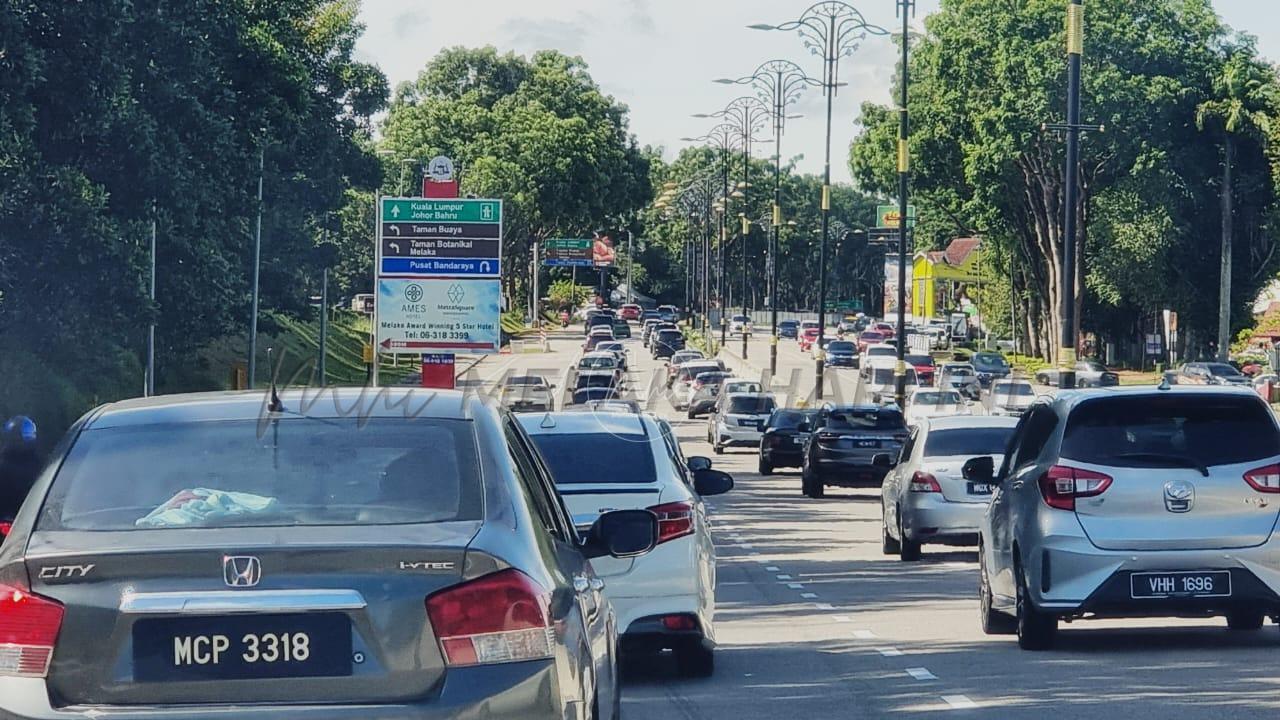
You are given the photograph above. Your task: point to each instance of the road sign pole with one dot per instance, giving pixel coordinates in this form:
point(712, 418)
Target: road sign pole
point(324, 326)
point(257, 261)
point(151, 329)
point(377, 288)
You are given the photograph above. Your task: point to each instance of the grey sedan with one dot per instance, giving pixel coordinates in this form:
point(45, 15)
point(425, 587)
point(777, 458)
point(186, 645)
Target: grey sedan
point(346, 555)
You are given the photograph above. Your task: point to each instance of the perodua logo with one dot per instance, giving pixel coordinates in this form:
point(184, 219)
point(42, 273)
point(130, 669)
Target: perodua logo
point(1179, 496)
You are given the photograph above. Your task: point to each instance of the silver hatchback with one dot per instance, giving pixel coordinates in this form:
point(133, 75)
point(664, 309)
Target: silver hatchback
point(1144, 502)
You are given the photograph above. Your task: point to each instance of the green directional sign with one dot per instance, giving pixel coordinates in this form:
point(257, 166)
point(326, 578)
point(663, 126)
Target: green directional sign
point(888, 216)
point(442, 210)
point(564, 244)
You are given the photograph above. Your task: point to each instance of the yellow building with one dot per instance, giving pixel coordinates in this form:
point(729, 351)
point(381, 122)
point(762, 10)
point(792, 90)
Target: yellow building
point(940, 276)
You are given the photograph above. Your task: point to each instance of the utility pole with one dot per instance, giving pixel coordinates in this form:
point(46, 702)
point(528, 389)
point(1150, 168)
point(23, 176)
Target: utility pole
point(257, 262)
point(150, 384)
point(906, 8)
point(1075, 50)
point(746, 233)
point(324, 326)
point(630, 265)
point(537, 295)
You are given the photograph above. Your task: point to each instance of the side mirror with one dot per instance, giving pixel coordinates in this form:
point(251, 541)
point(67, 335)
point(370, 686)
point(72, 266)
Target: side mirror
point(979, 469)
point(622, 534)
point(882, 461)
point(712, 482)
point(698, 463)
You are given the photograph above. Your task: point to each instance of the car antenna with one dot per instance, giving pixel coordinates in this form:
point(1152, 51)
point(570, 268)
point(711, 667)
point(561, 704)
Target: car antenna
point(275, 405)
point(1164, 383)
point(548, 422)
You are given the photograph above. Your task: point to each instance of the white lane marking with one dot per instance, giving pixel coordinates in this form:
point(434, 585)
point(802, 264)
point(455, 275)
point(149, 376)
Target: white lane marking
point(754, 554)
point(748, 546)
point(842, 618)
point(795, 586)
point(959, 702)
point(784, 577)
point(889, 651)
point(771, 568)
point(920, 673)
point(808, 596)
point(824, 606)
point(864, 634)
point(759, 559)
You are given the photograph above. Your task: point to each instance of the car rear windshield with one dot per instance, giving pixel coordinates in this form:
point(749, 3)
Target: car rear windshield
point(291, 471)
point(989, 360)
point(1222, 370)
point(968, 442)
point(840, 346)
point(665, 335)
point(788, 419)
point(884, 376)
point(919, 360)
point(525, 380)
point(1016, 389)
point(871, 336)
point(937, 397)
point(750, 406)
point(1171, 431)
point(576, 458)
point(597, 363)
point(866, 419)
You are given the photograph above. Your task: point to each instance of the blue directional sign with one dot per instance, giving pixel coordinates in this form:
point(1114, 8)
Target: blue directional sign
point(569, 262)
point(471, 267)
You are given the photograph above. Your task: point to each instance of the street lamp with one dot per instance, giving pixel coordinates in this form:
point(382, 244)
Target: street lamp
point(832, 30)
point(780, 83)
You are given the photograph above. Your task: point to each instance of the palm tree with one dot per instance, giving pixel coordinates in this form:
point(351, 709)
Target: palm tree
point(1245, 98)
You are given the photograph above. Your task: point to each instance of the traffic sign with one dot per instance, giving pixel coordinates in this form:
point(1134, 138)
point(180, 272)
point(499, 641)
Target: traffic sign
point(455, 210)
point(888, 216)
point(563, 252)
point(441, 267)
point(439, 247)
point(473, 231)
point(428, 237)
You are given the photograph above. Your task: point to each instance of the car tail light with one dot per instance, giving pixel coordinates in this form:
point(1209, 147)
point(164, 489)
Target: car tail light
point(828, 437)
point(923, 482)
point(679, 623)
point(29, 625)
point(1061, 485)
point(6, 527)
point(498, 618)
point(675, 520)
point(1264, 479)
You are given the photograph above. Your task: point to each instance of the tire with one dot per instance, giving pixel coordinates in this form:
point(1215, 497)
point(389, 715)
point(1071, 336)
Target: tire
point(908, 549)
point(1244, 620)
point(994, 622)
point(888, 545)
point(1035, 629)
point(766, 467)
point(690, 414)
point(717, 448)
point(696, 661)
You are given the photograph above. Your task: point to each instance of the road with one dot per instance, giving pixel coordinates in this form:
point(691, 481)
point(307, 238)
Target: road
point(815, 622)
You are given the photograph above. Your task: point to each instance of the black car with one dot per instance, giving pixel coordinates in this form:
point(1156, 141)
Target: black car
point(785, 434)
point(599, 319)
point(667, 342)
point(789, 329)
point(595, 386)
point(852, 446)
point(990, 366)
point(842, 353)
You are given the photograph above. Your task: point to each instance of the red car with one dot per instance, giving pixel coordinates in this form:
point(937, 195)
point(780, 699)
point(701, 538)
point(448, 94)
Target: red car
point(869, 337)
point(630, 312)
point(924, 366)
point(807, 339)
point(884, 329)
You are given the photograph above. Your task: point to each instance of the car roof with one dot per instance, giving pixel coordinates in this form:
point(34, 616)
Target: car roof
point(598, 353)
point(330, 403)
point(1068, 400)
point(882, 346)
point(580, 423)
point(750, 395)
point(969, 421)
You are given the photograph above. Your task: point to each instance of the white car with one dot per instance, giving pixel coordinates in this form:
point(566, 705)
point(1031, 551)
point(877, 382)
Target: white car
point(738, 420)
point(618, 349)
point(879, 384)
point(682, 387)
point(935, 403)
point(1011, 397)
point(879, 350)
point(740, 325)
point(610, 461)
point(599, 361)
point(527, 393)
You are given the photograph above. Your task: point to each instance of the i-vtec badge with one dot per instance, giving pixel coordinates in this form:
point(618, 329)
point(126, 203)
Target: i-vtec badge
point(65, 572)
point(426, 565)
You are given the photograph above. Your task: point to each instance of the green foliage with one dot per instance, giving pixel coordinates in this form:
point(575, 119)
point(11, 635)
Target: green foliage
point(564, 295)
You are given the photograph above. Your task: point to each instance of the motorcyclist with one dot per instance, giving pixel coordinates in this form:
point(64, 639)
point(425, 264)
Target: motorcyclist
point(20, 463)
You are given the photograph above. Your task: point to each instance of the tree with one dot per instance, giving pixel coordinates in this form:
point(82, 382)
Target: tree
point(1244, 100)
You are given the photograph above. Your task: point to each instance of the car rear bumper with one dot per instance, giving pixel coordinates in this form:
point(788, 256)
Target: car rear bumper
point(783, 458)
point(845, 473)
point(496, 692)
point(644, 629)
point(738, 436)
point(929, 518)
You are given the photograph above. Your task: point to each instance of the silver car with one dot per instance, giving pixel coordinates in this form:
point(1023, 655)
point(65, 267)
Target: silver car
point(1142, 502)
point(924, 499)
point(331, 555)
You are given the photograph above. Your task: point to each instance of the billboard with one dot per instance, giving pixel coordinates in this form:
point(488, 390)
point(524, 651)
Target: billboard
point(891, 285)
point(602, 251)
point(439, 315)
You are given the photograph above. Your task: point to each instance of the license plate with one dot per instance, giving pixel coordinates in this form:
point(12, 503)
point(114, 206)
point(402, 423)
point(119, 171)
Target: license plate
point(978, 488)
point(242, 647)
point(1180, 584)
point(866, 443)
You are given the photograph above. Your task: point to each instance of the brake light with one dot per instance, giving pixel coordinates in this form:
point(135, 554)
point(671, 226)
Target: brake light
point(675, 520)
point(923, 482)
point(828, 436)
point(498, 618)
point(6, 527)
point(1061, 485)
point(29, 625)
point(1264, 479)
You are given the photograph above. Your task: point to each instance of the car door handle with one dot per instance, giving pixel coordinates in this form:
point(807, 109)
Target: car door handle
point(581, 584)
point(1016, 484)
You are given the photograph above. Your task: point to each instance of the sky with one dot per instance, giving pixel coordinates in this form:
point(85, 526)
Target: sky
point(659, 57)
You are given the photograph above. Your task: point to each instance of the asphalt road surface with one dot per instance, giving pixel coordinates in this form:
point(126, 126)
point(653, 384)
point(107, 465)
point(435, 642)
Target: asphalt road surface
point(814, 621)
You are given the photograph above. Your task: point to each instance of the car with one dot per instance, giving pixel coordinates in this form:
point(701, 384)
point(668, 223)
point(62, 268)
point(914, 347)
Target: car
point(851, 446)
point(1089, 373)
point(925, 498)
point(924, 365)
point(738, 419)
point(296, 558)
point(621, 329)
point(1151, 501)
point(867, 338)
point(1209, 373)
point(598, 337)
point(990, 366)
point(783, 438)
point(619, 351)
point(646, 328)
point(601, 361)
point(630, 311)
point(666, 599)
point(886, 329)
point(1011, 397)
point(806, 325)
point(808, 337)
point(878, 351)
point(595, 385)
point(841, 353)
point(597, 319)
point(962, 377)
point(678, 359)
point(925, 403)
point(682, 385)
point(788, 328)
point(527, 393)
point(667, 343)
point(649, 314)
point(653, 335)
point(848, 327)
point(740, 325)
point(879, 383)
point(669, 313)
point(616, 405)
point(706, 388)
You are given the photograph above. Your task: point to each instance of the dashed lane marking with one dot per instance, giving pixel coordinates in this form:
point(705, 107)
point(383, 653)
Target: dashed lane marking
point(784, 577)
point(772, 568)
point(795, 586)
point(824, 606)
point(889, 651)
point(920, 673)
point(842, 618)
point(808, 596)
point(959, 702)
point(864, 634)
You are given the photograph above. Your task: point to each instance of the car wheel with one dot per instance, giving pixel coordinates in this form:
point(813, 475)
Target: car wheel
point(766, 467)
point(888, 545)
point(1035, 629)
point(994, 622)
point(1244, 620)
point(908, 549)
point(1042, 379)
point(717, 448)
point(691, 415)
point(695, 660)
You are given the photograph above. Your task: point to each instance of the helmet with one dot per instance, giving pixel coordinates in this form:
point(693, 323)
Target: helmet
point(20, 427)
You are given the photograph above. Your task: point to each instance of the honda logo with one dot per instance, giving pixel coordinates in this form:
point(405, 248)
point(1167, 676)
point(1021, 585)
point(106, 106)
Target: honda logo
point(241, 571)
point(1179, 496)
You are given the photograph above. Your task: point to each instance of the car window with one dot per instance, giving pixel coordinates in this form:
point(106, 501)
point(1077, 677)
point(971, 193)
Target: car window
point(603, 457)
point(937, 397)
point(840, 346)
point(1013, 389)
point(598, 363)
point(1165, 431)
point(884, 376)
point(969, 442)
point(540, 501)
point(865, 419)
point(595, 381)
point(296, 471)
point(751, 405)
point(788, 419)
point(909, 446)
point(1041, 422)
